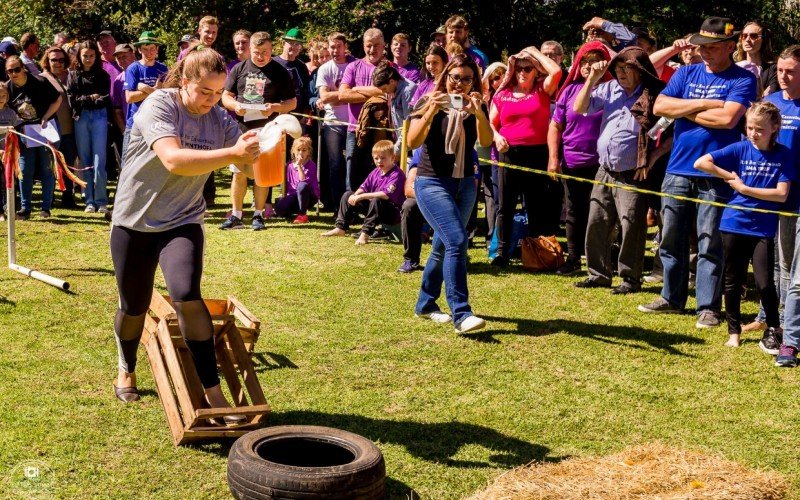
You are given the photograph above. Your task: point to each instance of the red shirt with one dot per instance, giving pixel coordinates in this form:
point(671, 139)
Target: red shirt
point(523, 120)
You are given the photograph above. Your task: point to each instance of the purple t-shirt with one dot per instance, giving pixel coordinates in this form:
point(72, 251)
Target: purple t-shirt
point(391, 184)
point(112, 68)
point(424, 87)
point(118, 94)
point(357, 74)
point(580, 132)
point(410, 72)
point(293, 178)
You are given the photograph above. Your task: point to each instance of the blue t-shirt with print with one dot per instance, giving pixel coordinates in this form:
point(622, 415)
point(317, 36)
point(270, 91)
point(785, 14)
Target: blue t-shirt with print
point(136, 73)
point(789, 136)
point(692, 141)
point(757, 169)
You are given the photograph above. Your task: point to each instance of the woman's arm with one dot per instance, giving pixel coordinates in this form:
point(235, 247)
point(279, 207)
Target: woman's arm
point(500, 142)
point(184, 161)
point(554, 133)
point(419, 127)
point(485, 131)
point(51, 111)
point(551, 67)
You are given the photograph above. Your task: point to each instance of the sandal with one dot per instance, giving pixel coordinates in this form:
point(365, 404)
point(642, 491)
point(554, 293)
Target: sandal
point(126, 394)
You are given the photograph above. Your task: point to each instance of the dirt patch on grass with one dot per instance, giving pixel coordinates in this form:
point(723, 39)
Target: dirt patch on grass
point(647, 471)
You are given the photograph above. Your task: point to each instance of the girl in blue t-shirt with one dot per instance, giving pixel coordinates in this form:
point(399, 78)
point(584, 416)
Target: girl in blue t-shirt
point(759, 171)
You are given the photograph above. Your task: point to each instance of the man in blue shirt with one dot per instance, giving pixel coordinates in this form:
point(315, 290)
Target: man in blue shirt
point(627, 106)
point(142, 78)
point(457, 31)
point(399, 91)
point(788, 102)
point(707, 102)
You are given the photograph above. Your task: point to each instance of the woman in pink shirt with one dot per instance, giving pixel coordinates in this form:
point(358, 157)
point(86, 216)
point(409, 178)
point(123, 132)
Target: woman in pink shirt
point(519, 117)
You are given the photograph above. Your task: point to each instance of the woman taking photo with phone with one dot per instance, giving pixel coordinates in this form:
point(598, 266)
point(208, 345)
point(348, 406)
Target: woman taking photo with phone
point(179, 137)
point(520, 118)
point(445, 186)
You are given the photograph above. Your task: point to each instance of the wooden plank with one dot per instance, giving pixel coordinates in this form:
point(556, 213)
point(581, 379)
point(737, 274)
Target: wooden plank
point(228, 369)
point(246, 368)
point(161, 305)
point(193, 384)
point(242, 410)
point(243, 314)
point(216, 306)
point(176, 373)
point(164, 388)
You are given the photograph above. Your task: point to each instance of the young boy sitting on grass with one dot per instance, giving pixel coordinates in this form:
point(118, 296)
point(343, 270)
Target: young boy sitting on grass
point(380, 197)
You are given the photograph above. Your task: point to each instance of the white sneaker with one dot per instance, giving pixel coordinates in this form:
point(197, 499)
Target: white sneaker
point(470, 324)
point(102, 210)
point(436, 317)
point(90, 209)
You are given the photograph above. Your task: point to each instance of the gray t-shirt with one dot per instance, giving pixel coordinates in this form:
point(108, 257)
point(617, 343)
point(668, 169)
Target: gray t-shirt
point(150, 198)
point(7, 118)
point(330, 75)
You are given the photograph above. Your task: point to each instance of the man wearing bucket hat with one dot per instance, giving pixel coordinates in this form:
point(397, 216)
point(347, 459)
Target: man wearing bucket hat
point(142, 78)
point(707, 102)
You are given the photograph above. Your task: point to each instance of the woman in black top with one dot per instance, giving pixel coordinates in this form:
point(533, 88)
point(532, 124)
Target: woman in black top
point(89, 86)
point(445, 186)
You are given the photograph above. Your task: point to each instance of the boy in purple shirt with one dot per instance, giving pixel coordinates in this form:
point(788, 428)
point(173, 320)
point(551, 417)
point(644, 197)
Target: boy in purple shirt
point(380, 197)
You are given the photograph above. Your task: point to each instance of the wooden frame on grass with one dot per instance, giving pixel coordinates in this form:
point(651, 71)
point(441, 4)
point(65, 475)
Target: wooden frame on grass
point(175, 375)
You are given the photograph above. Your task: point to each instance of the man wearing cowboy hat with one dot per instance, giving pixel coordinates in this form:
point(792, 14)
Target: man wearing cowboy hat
point(707, 102)
point(142, 78)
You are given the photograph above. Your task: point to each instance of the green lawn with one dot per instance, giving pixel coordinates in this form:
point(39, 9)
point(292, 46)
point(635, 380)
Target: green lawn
point(560, 371)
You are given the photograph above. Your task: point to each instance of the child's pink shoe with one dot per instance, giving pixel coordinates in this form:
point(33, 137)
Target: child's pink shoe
point(300, 219)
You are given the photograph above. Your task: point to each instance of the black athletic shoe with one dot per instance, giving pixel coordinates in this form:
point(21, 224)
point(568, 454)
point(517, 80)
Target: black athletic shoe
point(232, 222)
point(771, 341)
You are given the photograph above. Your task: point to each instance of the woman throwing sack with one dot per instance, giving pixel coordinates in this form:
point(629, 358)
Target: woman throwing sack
point(179, 137)
point(445, 186)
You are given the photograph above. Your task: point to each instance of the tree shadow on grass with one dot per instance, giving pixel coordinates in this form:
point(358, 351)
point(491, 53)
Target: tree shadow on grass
point(7, 302)
point(437, 442)
point(634, 337)
point(266, 361)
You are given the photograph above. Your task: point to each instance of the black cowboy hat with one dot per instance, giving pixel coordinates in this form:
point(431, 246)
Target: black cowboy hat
point(714, 29)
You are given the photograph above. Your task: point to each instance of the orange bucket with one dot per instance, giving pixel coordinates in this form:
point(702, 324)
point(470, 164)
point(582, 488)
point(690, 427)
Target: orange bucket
point(270, 166)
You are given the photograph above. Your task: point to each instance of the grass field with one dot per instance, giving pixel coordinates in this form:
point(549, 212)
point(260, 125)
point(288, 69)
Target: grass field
point(560, 372)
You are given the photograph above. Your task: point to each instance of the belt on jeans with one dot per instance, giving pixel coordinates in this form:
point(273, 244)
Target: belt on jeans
point(619, 175)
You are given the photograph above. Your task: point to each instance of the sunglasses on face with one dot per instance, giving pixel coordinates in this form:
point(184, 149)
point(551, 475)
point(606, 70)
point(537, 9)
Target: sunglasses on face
point(458, 80)
point(525, 69)
point(60, 60)
point(13, 71)
point(752, 36)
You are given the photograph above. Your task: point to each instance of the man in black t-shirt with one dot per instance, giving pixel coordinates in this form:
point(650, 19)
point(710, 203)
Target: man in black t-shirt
point(293, 42)
point(258, 80)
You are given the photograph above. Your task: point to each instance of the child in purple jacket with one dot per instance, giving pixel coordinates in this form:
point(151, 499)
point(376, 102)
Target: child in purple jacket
point(302, 187)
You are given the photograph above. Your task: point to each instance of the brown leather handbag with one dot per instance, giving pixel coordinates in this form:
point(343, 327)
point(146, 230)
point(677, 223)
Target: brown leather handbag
point(542, 253)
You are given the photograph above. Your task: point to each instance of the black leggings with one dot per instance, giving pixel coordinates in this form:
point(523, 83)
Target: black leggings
point(739, 249)
point(542, 196)
point(179, 252)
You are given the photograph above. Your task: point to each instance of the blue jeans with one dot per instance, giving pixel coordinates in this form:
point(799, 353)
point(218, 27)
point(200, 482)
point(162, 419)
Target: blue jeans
point(446, 204)
point(678, 217)
point(791, 308)
point(35, 162)
point(91, 131)
point(784, 249)
point(335, 138)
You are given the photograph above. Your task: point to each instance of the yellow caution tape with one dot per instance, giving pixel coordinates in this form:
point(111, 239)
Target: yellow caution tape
point(339, 122)
point(635, 189)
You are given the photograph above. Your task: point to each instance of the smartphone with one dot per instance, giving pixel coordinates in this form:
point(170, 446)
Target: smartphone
point(456, 101)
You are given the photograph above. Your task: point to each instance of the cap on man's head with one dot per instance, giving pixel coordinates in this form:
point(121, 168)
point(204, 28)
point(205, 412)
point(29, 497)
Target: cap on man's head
point(186, 39)
point(714, 29)
point(105, 33)
point(294, 35)
point(123, 47)
point(8, 49)
point(10, 39)
point(644, 34)
point(441, 30)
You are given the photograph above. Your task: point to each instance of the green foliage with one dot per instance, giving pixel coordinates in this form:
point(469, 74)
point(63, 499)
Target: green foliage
point(495, 26)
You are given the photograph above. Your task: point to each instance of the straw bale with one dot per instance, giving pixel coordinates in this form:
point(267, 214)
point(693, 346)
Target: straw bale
point(653, 471)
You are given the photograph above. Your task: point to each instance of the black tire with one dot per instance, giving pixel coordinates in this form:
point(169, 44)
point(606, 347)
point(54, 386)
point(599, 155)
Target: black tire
point(303, 462)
